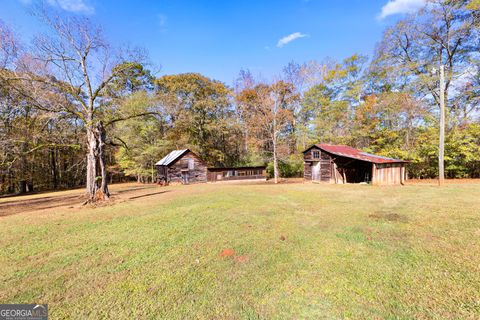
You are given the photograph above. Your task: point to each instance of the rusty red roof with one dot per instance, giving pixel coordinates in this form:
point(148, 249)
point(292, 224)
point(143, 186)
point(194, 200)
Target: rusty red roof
point(349, 152)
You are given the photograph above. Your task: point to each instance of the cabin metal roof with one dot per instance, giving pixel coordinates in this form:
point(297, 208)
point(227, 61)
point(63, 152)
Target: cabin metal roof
point(349, 152)
point(171, 157)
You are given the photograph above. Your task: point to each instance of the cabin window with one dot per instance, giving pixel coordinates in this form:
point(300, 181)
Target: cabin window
point(316, 154)
point(191, 164)
point(230, 173)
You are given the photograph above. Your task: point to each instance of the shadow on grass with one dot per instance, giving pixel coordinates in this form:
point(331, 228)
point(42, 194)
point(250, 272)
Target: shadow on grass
point(148, 195)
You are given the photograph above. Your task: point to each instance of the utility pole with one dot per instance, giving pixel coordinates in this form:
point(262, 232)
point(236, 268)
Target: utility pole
point(441, 144)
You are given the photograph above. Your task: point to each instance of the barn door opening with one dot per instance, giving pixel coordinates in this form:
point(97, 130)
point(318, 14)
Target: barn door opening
point(354, 171)
point(316, 171)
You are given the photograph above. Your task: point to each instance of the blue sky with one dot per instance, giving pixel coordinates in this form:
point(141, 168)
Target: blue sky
point(217, 38)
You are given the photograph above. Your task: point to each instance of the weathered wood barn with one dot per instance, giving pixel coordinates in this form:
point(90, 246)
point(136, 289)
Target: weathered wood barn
point(184, 166)
point(344, 164)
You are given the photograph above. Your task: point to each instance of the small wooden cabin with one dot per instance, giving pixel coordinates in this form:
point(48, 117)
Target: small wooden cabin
point(181, 166)
point(240, 173)
point(184, 166)
point(344, 164)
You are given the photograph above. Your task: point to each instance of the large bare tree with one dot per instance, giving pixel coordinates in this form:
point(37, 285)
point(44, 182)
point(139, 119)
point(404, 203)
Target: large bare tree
point(73, 59)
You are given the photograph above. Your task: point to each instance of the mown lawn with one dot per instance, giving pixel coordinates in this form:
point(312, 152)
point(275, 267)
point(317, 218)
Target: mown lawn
point(302, 251)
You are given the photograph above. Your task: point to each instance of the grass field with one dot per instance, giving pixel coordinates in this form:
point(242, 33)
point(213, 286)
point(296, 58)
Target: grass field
point(300, 251)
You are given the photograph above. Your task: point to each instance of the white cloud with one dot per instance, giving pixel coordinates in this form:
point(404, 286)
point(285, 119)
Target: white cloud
point(401, 6)
point(283, 41)
point(162, 19)
point(162, 22)
point(76, 6)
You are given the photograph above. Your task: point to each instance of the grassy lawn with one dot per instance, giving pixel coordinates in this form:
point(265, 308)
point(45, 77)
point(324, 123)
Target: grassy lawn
point(302, 251)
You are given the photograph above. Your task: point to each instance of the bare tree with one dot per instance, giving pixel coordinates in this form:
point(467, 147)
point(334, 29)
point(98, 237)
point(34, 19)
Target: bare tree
point(76, 61)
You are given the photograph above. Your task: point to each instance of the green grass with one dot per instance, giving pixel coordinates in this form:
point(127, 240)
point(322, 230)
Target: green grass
point(350, 252)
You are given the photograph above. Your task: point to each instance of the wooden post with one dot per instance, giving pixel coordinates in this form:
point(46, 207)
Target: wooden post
point(402, 174)
point(335, 172)
point(374, 173)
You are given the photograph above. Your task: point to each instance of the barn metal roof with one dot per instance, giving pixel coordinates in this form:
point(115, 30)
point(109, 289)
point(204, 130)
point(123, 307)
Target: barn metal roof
point(349, 152)
point(171, 157)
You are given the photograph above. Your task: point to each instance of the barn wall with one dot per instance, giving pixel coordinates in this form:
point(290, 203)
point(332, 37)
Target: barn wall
point(389, 174)
point(326, 165)
point(162, 173)
point(307, 170)
point(308, 163)
point(307, 156)
point(195, 175)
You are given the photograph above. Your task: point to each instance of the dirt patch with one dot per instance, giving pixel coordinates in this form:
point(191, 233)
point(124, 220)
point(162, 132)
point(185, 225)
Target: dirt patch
point(70, 201)
point(388, 216)
point(227, 253)
point(14, 207)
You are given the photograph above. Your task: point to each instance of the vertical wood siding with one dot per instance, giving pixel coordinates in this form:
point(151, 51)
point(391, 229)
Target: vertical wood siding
point(174, 172)
point(388, 174)
point(326, 165)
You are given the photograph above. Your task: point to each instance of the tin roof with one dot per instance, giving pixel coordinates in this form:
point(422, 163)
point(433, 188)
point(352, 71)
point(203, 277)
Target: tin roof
point(171, 157)
point(349, 152)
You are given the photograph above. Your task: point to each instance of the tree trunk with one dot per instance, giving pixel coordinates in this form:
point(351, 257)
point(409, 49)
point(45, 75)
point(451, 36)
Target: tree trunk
point(22, 186)
point(102, 137)
point(91, 187)
point(153, 173)
point(275, 160)
point(97, 180)
point(53, 165)
point(441, 144)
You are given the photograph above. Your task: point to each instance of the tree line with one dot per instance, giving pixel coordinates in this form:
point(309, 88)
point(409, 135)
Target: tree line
point(76, 111)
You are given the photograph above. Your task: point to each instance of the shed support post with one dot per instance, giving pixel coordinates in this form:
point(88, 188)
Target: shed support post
point(402, 174)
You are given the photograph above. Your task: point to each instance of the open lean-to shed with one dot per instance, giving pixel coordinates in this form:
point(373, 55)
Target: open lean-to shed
point(184, 166)
point(344, 164)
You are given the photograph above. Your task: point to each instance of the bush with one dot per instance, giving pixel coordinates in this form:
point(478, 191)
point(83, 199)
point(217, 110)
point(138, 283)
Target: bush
point(290, 168)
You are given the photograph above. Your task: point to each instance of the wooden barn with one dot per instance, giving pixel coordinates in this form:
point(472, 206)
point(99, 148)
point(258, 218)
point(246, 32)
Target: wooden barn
point(344, 164)
point(184, 166)
point(181, 166)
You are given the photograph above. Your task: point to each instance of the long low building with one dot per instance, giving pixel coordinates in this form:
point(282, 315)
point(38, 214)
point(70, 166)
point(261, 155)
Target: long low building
point(238, 173)
point(344, 164)
point(184, 166)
